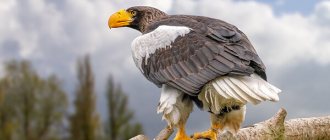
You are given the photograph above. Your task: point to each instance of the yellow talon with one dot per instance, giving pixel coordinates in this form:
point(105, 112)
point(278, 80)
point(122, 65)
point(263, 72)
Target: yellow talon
point(212, 132)
point(209, 134)
point(181, 134)
point(182, 137)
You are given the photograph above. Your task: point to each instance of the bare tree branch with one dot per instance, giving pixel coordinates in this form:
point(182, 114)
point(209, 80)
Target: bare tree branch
point(165, 133)
point(273, 128)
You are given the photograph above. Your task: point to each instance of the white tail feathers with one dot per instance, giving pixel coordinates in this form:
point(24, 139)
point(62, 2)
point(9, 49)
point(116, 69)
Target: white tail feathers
point(251, 89)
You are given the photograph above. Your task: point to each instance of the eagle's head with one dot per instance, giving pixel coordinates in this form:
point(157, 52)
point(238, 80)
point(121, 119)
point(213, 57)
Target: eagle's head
point(137, 17)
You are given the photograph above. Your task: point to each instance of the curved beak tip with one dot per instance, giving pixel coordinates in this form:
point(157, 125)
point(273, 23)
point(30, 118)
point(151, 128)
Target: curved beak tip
point(119, 19)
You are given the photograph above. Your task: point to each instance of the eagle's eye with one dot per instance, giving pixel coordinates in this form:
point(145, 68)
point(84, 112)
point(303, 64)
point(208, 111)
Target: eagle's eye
point(133, 12)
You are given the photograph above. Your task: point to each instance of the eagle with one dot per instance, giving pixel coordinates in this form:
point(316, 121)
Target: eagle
point(197, 59)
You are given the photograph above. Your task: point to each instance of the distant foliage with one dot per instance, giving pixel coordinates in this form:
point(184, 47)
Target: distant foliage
point(120, 122)
point(85, 122)
point(31, 107)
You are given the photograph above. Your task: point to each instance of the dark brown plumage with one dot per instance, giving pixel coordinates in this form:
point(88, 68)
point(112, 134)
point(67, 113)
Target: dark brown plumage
point(144, 17)
point(214, 48)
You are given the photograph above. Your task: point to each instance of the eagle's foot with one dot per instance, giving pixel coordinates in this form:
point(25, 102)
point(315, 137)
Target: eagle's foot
point(181, 134)
point(210, 134)
point(182, 137)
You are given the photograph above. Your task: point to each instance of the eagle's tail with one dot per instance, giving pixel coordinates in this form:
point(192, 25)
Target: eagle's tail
point(251, 88)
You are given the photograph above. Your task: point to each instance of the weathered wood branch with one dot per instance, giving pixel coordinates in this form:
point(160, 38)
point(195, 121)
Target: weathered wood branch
point(162, 135)
point(273, 128)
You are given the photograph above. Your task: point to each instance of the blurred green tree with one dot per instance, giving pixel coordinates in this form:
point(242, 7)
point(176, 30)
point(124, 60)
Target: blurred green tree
point(119, 124)
point(85, 122)
point(31, 107)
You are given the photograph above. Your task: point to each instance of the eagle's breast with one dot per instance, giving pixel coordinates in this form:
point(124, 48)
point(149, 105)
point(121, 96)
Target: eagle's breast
point(162, 37)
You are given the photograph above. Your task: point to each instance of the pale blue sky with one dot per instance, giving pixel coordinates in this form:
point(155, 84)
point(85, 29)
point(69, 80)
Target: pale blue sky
point(286, 6)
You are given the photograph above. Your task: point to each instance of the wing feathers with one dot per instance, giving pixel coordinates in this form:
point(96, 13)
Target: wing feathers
point(174, 72)
point(208, 73)
point(228, 63)
point(202, 57)
point(181, 71)
point(219, 67)
point(184, 67)
point(188, 58)
point(207, 52)
point(196, 61)
point(192, 66)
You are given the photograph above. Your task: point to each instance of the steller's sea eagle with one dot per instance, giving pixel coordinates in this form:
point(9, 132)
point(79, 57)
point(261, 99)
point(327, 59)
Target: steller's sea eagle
point(197, 59)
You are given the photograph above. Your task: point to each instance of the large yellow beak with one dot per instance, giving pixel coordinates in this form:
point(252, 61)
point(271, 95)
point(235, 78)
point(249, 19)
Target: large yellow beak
point(120, 19)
